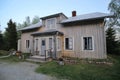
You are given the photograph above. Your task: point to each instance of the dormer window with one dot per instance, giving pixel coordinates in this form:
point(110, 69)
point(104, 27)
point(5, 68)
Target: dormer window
point(51, 23)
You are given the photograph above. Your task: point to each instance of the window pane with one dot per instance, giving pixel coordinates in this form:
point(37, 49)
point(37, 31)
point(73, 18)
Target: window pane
point(51, 23)
point(66, 43)
point(28, 43)
point(90, 42)
point(70, 43)
point(59, 43)
point(85, 42)
point(50, 43)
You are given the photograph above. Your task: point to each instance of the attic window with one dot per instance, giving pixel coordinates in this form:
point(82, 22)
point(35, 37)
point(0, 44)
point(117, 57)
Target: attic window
point(51, 23)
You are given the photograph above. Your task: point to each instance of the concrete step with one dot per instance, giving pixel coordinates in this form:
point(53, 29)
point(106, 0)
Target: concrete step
point(38, 59)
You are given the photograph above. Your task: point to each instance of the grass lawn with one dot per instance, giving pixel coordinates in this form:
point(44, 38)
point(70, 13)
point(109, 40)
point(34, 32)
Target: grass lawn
point(12, 59)
point(82, 71)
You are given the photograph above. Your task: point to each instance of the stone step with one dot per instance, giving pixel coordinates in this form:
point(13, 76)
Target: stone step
point(38, 59)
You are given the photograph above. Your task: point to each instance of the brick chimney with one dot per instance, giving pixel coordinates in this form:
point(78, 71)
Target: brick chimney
point(73, 13)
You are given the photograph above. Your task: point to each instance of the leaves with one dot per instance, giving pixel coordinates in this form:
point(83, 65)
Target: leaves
point(114, 7)
point(113, 46)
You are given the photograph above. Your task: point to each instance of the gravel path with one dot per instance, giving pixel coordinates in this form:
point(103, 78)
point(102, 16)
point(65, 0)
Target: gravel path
point(21, 71)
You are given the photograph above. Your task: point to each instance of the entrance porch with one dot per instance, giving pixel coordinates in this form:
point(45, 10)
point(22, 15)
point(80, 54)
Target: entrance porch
point(47, 44)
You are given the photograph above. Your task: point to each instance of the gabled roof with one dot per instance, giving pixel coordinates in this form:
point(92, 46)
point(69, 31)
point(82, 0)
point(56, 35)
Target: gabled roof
point(89, 16)
point(53, 15)
point(33, 26)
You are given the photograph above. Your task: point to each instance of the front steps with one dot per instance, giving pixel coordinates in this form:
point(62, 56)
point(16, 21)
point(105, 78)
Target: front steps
point(38, 59)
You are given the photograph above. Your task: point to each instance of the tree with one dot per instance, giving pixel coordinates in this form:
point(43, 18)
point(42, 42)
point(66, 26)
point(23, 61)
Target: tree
point(113, 46)
point(114, 7)
point(35, 20)
point(1, 41)
point(11, 35)
point(28, 21)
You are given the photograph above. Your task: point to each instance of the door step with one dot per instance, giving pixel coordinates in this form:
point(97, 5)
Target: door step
point(38, 59)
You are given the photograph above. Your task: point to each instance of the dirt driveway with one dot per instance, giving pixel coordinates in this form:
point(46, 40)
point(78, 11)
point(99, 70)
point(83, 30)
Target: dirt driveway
point(21, 71)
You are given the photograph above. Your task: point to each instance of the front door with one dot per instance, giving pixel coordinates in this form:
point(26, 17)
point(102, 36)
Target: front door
point(43, 47)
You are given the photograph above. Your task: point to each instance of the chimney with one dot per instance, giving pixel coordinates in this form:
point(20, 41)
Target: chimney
point(73, 13)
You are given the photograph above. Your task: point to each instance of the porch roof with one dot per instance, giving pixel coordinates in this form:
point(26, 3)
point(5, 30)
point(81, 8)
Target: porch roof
point(47, 33)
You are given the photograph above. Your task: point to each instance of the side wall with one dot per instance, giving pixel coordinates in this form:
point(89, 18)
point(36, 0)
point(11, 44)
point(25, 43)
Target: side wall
point(96, 31)
point(24, 37)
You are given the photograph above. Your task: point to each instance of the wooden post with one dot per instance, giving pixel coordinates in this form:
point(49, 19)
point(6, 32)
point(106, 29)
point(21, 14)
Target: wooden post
point(55, 46)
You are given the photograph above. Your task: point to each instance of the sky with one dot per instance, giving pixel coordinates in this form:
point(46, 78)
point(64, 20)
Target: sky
point(17, 10)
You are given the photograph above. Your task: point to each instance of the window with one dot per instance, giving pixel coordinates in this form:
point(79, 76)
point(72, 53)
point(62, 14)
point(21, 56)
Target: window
point(69, 43)
point(51, 23)
point(36, 44)
point(43, 42)
point(87, 43)
point(27, 43)
point(58, 43)
point(50, 43)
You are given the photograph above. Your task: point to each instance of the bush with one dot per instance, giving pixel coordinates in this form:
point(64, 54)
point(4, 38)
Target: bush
point(4, 53)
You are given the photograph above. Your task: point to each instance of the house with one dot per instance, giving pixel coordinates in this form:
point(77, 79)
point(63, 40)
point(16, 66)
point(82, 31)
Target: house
point(57, 35)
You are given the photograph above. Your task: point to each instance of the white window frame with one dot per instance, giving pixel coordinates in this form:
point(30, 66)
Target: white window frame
point(58, 44)
point(52, 42)
point(50, 27)
point(72, 44)
point(26, 44)
point(82, 39)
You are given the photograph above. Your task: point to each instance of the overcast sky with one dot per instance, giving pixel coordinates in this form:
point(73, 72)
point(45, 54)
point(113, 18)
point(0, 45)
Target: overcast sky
point(17, 10)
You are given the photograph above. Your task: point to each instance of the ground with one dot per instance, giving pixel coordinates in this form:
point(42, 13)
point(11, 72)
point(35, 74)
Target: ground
point(20, 71)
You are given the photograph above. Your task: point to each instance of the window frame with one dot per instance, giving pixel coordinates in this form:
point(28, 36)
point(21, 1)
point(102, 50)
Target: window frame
point(50, 27)
point(27, 44)
point(68, 43)
point(58, 44)
point(51, 43)
point(83, 47)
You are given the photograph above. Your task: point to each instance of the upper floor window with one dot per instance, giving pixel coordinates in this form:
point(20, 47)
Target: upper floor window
point(51, 23)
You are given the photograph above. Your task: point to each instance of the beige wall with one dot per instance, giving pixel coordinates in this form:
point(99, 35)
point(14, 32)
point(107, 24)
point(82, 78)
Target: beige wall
point(24, 37)
point(96, 31)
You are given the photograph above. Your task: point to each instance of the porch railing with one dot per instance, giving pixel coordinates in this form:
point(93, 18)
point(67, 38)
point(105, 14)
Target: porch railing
point(48, 52)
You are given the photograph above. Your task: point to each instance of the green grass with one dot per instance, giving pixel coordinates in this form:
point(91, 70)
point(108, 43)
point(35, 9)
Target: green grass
point(12, 59)
point(83, 71)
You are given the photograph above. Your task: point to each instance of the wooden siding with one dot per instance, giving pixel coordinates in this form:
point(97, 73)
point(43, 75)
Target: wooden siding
point(78, 30)
point(90, 30)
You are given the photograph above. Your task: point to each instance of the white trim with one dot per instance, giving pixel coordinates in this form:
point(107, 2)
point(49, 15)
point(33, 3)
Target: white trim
point(72, 44)
point(59, 44)
point(82, 43)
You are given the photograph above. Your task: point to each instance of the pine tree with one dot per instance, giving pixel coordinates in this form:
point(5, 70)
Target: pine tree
point(112, 43)
point(11, 35)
